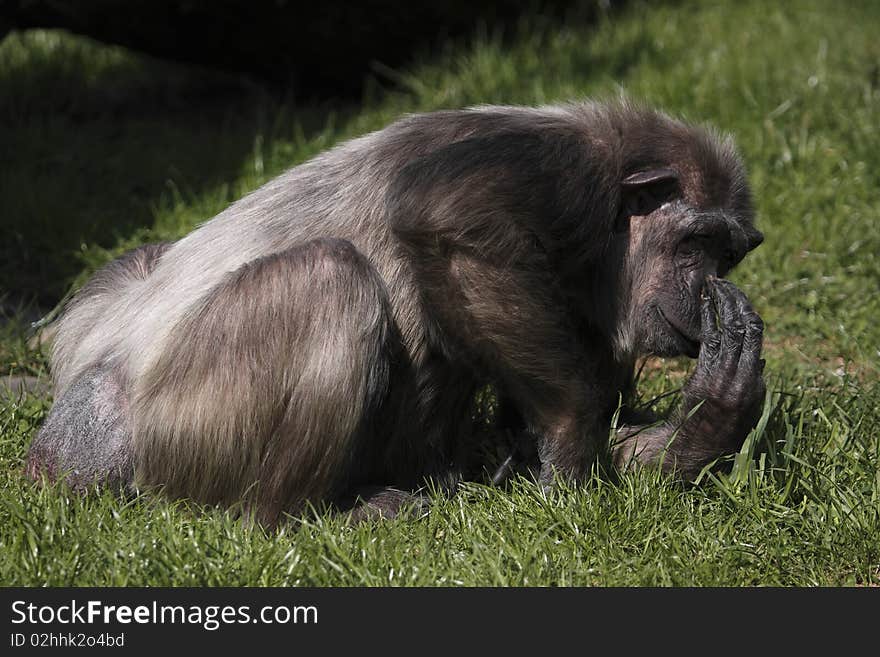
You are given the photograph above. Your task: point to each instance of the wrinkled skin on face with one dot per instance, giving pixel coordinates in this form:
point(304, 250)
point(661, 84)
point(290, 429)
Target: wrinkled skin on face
point(674, 247)
point(680, 244)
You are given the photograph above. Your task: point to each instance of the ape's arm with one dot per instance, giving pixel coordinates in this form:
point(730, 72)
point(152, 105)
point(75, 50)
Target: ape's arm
point(479, 221)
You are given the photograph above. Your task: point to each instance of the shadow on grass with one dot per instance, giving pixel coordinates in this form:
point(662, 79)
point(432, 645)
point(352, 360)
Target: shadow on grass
point(98, 143)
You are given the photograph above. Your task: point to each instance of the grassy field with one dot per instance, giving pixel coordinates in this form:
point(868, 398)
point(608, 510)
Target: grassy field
point(103, 150)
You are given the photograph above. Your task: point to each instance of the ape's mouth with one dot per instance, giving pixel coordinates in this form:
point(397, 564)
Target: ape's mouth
point(689, 346)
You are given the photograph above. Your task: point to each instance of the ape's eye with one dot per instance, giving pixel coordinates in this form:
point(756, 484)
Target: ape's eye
point(696, 242)
point(642, 202)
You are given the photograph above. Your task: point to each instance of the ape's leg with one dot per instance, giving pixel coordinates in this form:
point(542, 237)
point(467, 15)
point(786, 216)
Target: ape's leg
point(272, 390)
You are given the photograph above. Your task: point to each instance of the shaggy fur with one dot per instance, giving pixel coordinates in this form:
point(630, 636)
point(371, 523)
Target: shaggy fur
point(329, 330)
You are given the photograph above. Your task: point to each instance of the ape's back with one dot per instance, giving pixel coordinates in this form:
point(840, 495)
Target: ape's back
point(338, 194)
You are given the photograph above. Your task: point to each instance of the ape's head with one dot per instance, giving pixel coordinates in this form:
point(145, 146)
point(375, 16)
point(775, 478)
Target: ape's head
point(685, 215)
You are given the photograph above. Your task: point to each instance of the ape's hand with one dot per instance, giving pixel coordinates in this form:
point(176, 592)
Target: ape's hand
point(727, 385)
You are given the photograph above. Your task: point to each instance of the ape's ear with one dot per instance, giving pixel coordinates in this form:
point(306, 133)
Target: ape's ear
point(649, 177)
point(645, 191)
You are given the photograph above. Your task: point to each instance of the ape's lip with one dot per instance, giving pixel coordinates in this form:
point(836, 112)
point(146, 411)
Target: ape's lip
point(691, 346)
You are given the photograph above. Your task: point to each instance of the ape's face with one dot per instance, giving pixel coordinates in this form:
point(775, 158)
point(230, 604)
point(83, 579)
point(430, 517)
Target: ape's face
point(676, 242)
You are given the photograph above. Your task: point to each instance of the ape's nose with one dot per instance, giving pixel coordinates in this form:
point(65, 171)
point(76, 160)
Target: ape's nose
point(755, 237)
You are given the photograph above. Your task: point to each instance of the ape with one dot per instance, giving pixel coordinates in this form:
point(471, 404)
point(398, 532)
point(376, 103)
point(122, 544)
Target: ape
point(323, 337)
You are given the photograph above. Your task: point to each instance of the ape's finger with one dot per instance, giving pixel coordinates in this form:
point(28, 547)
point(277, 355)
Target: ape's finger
point(727, 287)
point(732, 325)
point(710, 330)
point(750, 363)
point(732, 303)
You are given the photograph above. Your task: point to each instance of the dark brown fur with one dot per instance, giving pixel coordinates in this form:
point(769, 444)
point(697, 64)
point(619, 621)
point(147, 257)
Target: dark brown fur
point(327, 334)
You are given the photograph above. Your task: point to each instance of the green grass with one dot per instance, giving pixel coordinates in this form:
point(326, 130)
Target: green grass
point(107, 150)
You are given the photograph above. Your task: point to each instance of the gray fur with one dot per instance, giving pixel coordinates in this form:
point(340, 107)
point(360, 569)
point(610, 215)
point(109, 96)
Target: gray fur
point(328, 331)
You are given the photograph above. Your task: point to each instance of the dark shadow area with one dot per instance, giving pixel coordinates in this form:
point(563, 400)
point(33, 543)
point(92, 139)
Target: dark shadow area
point(94, 139)
point(315, 47)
